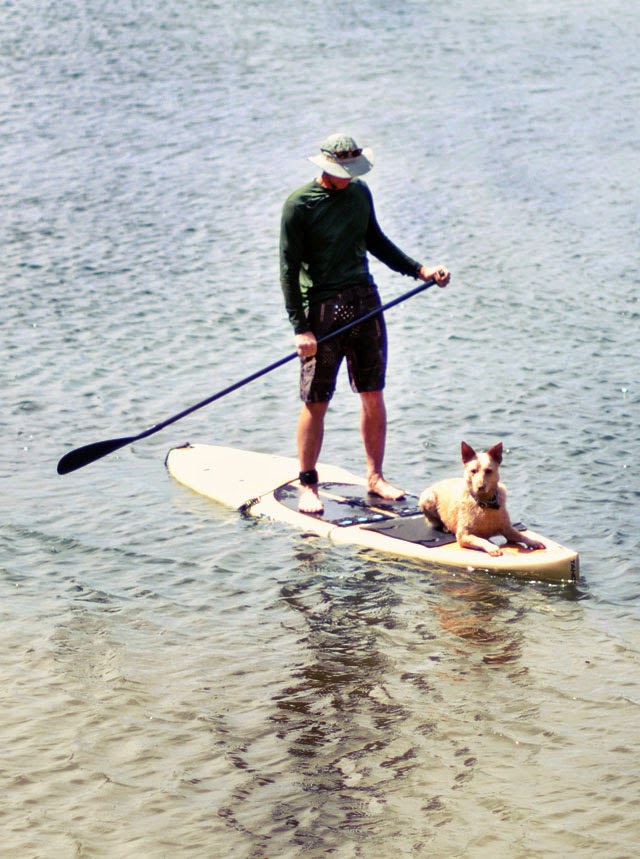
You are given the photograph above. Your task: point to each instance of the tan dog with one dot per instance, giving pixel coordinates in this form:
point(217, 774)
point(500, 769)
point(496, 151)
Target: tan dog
point(474, 508)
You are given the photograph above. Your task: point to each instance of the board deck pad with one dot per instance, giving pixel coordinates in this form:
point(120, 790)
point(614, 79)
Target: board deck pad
point(412, 529)
point(347, 504)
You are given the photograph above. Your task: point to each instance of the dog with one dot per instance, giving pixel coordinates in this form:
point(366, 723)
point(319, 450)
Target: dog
point(474, 507)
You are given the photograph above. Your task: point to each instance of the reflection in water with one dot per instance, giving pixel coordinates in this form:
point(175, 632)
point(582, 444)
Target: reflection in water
point(480, 611)
point(470, 615)
point(336, 715)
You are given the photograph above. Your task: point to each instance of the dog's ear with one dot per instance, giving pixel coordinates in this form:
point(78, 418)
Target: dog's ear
point(468, 453)
point(495, 452)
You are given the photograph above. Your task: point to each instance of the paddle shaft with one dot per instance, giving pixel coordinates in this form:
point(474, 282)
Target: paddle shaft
point(81, 456)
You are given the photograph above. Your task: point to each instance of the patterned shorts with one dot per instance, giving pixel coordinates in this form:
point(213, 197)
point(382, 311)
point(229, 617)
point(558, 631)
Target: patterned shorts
point(364, 345)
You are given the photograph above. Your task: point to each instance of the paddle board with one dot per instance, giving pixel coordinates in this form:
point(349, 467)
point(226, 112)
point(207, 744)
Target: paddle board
point(267, 485)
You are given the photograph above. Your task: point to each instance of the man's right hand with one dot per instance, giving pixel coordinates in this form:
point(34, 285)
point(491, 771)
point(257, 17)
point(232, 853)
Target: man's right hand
point(306, 344)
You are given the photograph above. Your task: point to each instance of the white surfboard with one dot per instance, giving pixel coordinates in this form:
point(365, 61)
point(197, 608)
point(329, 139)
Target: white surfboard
point(267, 485)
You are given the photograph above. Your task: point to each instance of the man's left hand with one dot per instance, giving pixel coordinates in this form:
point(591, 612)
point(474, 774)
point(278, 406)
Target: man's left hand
point(440, 274)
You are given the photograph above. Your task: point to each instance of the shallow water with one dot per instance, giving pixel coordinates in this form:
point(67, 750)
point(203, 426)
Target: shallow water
point(180, 680)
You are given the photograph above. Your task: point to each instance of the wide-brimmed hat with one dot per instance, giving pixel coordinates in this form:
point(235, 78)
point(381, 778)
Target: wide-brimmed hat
point(341, 156)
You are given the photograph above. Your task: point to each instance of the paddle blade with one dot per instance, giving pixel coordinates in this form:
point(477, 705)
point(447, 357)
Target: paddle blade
point(87, 454)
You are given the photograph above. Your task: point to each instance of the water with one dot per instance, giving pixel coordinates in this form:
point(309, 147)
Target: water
point(180, 681)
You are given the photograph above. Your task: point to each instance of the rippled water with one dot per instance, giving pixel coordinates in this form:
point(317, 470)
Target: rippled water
point(178, 680)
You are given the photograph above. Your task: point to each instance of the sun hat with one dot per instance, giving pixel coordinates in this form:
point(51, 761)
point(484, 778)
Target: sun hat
point(341, 156)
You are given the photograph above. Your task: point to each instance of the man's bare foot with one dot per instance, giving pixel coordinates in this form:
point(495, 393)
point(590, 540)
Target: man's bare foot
point(309, 501)
point(377, 485)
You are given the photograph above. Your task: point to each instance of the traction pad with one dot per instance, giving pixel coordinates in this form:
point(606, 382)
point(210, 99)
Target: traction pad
point(413, 529)
point(356, 506)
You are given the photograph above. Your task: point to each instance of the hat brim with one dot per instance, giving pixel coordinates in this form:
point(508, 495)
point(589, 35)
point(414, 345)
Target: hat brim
point(347, 168)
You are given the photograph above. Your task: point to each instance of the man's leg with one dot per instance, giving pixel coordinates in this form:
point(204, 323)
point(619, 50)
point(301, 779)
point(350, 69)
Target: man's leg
point(310, 435)
point(373, 426)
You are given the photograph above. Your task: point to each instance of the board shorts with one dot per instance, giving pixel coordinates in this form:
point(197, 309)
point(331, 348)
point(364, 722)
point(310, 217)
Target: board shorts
point(364, 345)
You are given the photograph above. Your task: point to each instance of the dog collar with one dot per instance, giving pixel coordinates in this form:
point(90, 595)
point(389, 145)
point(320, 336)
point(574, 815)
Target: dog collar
point(491, 504)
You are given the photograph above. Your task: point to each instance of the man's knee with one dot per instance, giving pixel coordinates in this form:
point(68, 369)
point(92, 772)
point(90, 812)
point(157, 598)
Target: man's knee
point(315, 411)
point(372, 399)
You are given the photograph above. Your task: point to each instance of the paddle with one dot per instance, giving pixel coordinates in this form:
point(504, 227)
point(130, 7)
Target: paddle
point(81, 456)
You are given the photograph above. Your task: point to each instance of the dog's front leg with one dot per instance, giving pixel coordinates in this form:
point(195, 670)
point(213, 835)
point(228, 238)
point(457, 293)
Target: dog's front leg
point(470, 541)
point(514, 536)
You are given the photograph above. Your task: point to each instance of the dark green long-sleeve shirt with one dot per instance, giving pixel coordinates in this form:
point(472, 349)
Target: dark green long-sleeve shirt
point(324, 239)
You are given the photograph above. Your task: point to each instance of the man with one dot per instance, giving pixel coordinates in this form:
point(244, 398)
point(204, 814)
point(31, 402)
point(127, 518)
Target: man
point(327, 228)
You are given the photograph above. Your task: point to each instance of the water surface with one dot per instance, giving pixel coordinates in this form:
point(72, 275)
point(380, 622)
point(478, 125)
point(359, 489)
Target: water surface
point(181, 681)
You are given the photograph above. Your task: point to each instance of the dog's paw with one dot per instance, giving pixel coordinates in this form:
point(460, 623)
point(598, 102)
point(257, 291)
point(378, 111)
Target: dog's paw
point(535, 544)
point(495, 552)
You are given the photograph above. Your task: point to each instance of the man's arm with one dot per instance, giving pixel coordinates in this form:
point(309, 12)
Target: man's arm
point(290, 263)
point(291, 244)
